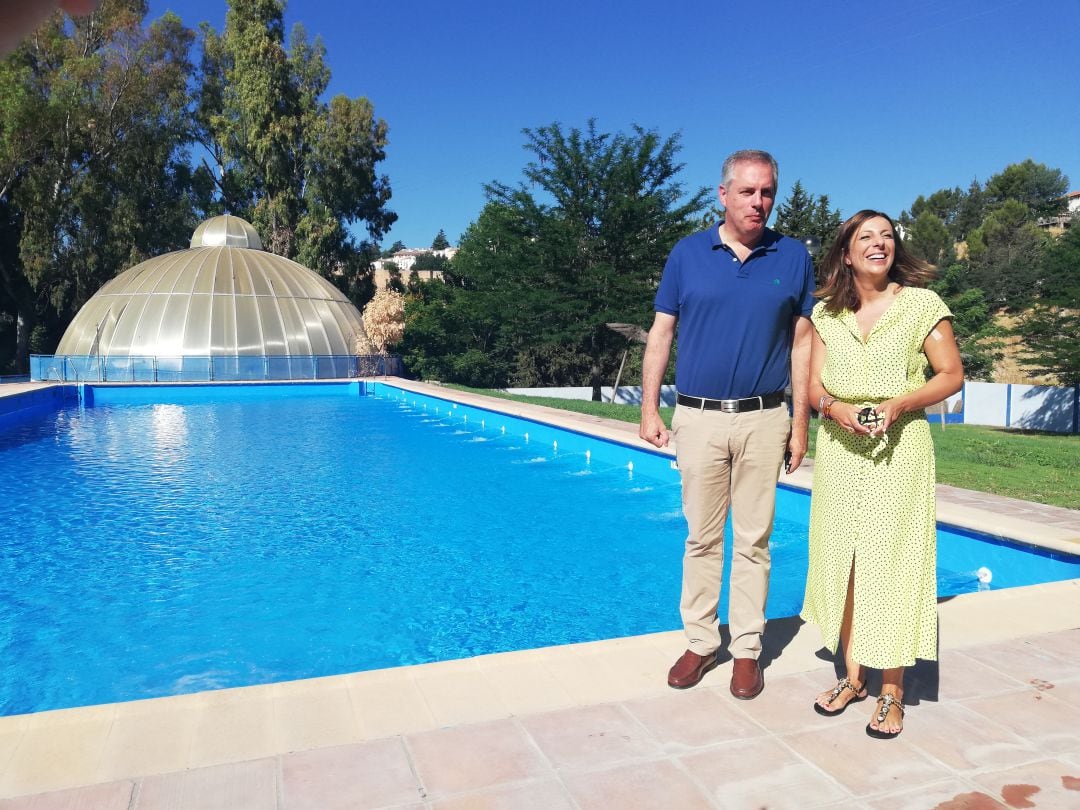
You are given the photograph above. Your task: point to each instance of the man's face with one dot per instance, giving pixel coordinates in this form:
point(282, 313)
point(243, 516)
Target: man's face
point(748, 199)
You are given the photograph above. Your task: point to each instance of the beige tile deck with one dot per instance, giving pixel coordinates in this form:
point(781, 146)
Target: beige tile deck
point(992, 724)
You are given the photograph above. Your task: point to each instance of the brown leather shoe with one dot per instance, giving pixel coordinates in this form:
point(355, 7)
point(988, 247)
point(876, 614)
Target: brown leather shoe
point(690, 669)
point(746, 679)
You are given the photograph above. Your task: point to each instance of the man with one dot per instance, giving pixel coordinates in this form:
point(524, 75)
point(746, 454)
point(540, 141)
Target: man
point(741, 295)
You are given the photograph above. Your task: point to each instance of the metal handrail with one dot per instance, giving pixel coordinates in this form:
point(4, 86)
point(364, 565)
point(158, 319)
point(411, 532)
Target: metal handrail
point(211, 368)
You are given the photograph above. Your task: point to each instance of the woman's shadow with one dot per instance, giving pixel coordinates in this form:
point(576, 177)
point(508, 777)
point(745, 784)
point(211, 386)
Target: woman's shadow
point(921, 681)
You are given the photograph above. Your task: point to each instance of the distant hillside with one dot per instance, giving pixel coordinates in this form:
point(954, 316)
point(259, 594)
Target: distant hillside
point(1008, 369)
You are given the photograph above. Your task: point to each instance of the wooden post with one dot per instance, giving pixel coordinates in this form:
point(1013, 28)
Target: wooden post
point(615, 390)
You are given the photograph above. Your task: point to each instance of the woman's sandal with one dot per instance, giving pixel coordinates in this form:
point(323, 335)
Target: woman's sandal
point(885, 702)
point(841, 685)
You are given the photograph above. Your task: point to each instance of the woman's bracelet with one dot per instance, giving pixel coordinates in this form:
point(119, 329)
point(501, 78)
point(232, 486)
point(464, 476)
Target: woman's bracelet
point(825, 408)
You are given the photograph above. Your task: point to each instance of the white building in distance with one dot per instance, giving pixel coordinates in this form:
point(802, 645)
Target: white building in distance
point(404, 260)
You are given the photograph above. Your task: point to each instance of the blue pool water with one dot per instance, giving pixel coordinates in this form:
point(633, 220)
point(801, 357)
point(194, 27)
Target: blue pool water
point(167, 540)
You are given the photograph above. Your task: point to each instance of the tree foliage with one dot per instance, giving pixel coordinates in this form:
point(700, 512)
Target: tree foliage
point(929, 238)
point(93, 170)
point(440, 242)
point(303, 170)
point(394, 248)
point(976, 335)
point(578, 244)
point(1051, 328)
point(101, 121)
point(1007, 264)
point(1005, 252)
point(801, 216)
point(1036, 186)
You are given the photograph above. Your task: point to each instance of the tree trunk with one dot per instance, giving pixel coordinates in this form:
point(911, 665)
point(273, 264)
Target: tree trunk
point(597, 380)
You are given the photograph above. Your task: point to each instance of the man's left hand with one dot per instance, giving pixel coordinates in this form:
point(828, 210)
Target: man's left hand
point(796, 446)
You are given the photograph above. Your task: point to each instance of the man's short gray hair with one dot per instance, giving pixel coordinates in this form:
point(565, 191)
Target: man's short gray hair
point(748, 156)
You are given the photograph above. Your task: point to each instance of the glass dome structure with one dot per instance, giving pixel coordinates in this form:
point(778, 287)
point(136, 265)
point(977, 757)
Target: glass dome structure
point(224, 296)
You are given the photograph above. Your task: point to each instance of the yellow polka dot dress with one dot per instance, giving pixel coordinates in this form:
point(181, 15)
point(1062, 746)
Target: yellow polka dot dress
point(873, 498)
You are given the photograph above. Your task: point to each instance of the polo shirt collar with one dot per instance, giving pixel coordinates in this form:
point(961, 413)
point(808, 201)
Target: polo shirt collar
point(768, 242)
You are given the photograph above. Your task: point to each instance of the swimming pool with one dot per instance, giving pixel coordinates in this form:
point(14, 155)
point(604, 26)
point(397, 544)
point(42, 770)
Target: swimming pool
point(172, 539)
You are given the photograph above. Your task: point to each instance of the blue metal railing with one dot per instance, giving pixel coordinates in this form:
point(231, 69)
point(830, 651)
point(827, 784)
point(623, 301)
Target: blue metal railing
point(188, 368)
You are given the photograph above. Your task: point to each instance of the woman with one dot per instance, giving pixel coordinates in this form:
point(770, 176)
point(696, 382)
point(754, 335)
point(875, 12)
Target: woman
point(872, 583)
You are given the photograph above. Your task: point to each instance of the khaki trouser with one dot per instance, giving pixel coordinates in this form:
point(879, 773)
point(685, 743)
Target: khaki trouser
point(728, 458)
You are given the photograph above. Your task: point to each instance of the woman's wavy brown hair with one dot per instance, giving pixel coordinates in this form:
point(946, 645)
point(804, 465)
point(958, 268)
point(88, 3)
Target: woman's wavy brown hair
point(838, 289)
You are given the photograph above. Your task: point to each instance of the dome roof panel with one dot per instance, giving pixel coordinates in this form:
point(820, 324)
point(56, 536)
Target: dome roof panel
point(221, 300)
point(226, 231)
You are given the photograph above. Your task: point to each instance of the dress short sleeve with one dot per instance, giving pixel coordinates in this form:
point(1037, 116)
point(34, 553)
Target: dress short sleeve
point(932, 310)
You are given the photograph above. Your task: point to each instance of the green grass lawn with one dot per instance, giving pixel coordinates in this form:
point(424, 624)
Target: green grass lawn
point(1034, 466)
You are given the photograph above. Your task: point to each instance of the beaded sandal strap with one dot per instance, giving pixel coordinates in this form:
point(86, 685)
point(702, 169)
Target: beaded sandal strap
point(886, 702)
point(841, 685)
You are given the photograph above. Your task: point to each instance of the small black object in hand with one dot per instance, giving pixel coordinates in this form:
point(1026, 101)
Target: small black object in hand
point(868, 418)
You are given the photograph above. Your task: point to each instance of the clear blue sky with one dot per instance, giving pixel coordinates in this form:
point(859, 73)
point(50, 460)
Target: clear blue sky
point(872, 104)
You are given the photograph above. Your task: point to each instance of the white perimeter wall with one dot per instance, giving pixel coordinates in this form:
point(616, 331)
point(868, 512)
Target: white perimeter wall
point(1032, 407)
point(628, 394)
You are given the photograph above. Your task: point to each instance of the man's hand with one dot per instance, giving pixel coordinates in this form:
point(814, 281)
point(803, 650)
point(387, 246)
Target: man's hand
point(653, 430)
point(796, 446)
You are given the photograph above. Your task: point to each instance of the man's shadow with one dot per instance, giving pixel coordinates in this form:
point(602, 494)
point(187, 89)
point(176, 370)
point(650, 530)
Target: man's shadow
point(778, 635)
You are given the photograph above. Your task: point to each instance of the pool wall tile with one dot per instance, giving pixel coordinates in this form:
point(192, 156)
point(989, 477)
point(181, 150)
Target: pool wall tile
point(563, 442)
point(184, 393)
point(26, 406)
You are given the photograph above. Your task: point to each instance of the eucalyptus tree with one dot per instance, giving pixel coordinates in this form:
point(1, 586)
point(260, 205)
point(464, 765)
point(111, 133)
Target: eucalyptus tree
point(93, 175)
point(304, 170)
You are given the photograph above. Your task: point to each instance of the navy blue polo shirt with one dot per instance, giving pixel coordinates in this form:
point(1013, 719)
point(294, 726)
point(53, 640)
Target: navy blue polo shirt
point(735, 318)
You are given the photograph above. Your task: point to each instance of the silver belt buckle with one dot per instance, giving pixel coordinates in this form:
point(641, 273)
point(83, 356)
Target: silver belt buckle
point(729, 406)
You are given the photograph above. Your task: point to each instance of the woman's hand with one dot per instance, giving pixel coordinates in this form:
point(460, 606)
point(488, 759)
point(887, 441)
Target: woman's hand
point(890, 410)
point(847, 417)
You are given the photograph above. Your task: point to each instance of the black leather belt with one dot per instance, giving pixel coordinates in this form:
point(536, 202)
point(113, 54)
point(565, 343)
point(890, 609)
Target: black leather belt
point(732, 405)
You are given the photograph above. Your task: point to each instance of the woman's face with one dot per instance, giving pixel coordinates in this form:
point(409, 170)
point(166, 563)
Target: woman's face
point(870, 252)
